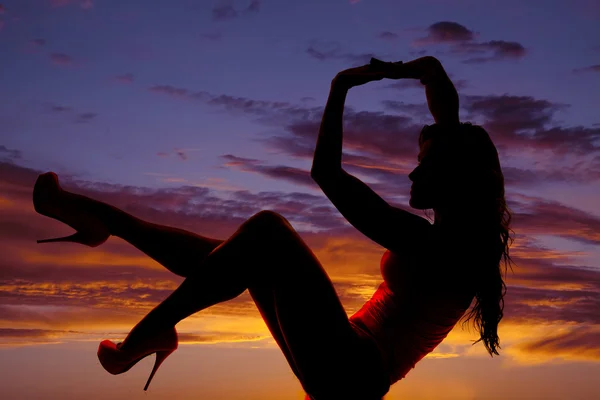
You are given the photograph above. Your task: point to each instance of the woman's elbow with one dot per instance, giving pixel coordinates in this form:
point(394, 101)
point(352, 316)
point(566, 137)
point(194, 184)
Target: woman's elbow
point(320, 172)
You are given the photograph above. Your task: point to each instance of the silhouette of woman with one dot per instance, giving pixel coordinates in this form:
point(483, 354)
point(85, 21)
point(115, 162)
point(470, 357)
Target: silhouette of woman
point(426, 289)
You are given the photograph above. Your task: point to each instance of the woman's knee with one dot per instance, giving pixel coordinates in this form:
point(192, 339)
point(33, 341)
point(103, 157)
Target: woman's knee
point(267, 221)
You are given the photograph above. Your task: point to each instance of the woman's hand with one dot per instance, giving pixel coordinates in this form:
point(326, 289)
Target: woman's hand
point(352, 77)
point(390, 70)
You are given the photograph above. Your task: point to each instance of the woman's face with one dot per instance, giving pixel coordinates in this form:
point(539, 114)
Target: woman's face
point(425, 187)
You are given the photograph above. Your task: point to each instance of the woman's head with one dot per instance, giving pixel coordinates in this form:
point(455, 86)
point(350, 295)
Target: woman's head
point(458, 170)
point(459, 173)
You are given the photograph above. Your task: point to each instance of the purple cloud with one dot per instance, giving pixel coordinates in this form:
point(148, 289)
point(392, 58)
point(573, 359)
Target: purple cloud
point(324, 50)
point(86, 117)
point(226, 11)
point(61, 59)
point(500, 50)
point(462, 42)
point(591, 68)
point(125, 78)
point(84, 4)
point(387, 35)
point(293, 175)
point(9, 155)
point(447, 32)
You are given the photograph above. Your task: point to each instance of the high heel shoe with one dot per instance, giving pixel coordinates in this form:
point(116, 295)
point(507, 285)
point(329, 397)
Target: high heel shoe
point(49, 200)
point(117, 361)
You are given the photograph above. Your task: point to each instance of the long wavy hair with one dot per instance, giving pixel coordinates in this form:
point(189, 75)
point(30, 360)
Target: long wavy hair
point(470, 148)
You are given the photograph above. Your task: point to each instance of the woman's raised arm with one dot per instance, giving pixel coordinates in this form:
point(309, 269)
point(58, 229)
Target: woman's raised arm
point(442, 97)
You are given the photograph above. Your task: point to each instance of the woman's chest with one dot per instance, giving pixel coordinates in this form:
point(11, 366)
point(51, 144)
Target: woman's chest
point(424, 271)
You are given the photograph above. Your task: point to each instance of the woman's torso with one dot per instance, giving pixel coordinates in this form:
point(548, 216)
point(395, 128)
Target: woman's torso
point(421, 299)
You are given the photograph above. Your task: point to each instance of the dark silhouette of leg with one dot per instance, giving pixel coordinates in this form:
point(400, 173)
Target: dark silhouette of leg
point(178, 250)
point(292, 292)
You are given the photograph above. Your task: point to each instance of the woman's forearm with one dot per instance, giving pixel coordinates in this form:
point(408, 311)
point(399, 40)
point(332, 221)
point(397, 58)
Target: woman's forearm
point(328, 151)
point(442, 97)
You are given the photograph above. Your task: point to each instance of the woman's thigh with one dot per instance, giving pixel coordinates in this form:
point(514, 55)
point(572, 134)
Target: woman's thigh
point(329, 355)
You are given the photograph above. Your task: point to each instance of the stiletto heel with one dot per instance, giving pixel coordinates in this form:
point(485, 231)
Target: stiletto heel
point(50, 200)
point(160, 357)
point(77, 237)
point(117, 361)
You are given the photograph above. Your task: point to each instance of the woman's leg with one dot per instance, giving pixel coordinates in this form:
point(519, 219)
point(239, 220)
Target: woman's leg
point(177, 250)
point(290, 288)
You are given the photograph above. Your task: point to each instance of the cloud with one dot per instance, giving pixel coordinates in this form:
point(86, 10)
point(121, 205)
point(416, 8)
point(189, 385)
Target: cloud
point(226, 11)
point(447, 32)
point(59, 109)
point(84, 4)
point(517, 124)
point(9, 155)
point(80, 117)
point(328, 50)
point(591, 68)
point(500, 50)
point(31, 333)
point(570, 343)
point(38, 42)
point(45, 291)
point(254, 6)
point(86, 117)
point(462, 43)
point(61, 59)
point(182, 154)
point(547, 217)
point(414, 109)
point(220, 337)
point(293, 175)
point(526, 121)
point(170, 90)
point(521, 126)
point(387, 35)
point(125, 78)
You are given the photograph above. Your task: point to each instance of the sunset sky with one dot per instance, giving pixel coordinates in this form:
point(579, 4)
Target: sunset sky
point(200, 113)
